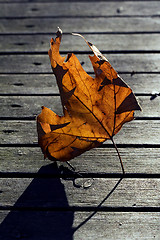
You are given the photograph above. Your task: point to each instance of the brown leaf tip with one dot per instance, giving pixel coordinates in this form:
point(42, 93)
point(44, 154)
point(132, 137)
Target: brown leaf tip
point(59, 32)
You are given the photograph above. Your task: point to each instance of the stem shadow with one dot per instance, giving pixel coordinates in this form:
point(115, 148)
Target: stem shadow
point(98, 207)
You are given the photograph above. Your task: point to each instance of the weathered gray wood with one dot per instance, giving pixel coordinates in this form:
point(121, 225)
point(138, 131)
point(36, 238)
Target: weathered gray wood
point(48, 192)
point(80, 9)
point(105, 42)
point(119, 17)
point(118, 226)
point(67, 225)
point(46, 83)
point(98, 24)
point(28, 106)
point(129, 193)
point(103, 227)
point(135, 160)
point(41, 63)
point(29, 84)
point(135, 132)
point(23, 106)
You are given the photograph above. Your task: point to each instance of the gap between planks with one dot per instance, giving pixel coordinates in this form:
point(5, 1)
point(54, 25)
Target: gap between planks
point(88, 72)
point(109, 145)
point(81, 52)
point(82, 209)
point(74, 175)
point(75, 16)
point(81, 32)
point(33, 118)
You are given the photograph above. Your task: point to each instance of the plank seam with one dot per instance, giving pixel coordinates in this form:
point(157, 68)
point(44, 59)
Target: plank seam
point(81, 52)
point(73, 175)
point(109, 145)
point(78, 16)
point(81, 209)
point(57, 94)
point(33, 118)
point(83, 33)
point(88, 72)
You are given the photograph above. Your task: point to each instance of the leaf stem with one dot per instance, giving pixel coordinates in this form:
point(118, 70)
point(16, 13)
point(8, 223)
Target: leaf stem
point(70, 165)
point(119, 156)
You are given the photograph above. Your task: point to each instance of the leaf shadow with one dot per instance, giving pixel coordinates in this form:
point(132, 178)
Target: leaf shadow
point(22, 223)
point(33, 224)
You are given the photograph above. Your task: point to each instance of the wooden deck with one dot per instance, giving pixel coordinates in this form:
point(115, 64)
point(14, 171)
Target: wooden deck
point(38, 201)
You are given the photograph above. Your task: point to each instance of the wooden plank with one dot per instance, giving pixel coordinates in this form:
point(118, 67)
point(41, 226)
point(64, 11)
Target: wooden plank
point(46, 193)
point(24, 106)
point(103, 225)
point(43, 9)
point(28, 106)
point(46, 83)
point(49, 192)
point(76, 24)
point(40, 63)
point(106, 42)
point(117, 226)
point(100, 160)
point(135, 132)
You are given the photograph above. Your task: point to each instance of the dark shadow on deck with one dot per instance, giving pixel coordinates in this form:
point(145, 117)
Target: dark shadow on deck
point(40, 225)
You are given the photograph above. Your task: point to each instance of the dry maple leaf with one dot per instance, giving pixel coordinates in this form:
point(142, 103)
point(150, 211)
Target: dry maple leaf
point(94, 108)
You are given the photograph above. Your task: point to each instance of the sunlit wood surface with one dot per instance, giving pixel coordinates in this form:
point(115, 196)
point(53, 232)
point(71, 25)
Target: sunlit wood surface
point(41, 200)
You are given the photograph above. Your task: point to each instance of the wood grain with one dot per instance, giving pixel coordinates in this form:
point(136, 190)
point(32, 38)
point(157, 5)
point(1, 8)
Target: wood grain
point(48, 192)
point(45, 9)
point(47, 207)
point(75, 24)
point(46, 83)
point(100, 160)
point(110, 225)
point(38, 63)
point(105, 42)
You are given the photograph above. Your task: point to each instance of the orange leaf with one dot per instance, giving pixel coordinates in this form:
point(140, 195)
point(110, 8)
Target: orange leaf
point(94, 108)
